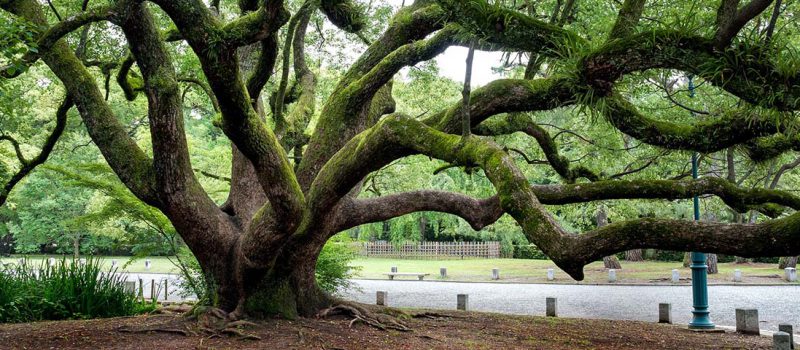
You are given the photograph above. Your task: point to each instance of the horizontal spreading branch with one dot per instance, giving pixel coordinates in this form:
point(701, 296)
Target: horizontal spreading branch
point(396, 136)
point(480, 213)
point(522, 123)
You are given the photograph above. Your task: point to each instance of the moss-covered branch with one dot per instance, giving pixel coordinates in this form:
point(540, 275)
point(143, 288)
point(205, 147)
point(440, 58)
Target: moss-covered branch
point(523, 123)
point(47, 148)
point(396, 136)
point(508, 28)
point(215, 44)
point(480, 213)
point(131, 164)
point(744, 71)
point(53, 34)
point(735, 127)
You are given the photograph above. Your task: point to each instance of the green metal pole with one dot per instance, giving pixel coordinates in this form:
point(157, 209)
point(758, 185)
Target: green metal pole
point(700, 314)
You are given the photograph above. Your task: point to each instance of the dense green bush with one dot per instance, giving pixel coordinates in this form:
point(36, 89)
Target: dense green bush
point(67, 290)
point(529, 251)
point(333, 270)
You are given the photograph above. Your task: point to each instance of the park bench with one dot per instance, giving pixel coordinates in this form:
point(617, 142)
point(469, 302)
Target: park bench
point(419, 275)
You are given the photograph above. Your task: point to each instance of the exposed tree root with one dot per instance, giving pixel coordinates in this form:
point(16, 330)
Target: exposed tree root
point(213, 322)
point(378, 320)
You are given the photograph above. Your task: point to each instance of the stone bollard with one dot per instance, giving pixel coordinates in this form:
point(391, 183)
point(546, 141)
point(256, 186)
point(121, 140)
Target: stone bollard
point(552, 307)
point(737, 275)
point(462, 302)
point(495, 274)
point(676, 276)
point(551, 274)
point(612, 275)
point(791, 274)
point(783, 327)
point(52, 261)
point(443, 272)
point(147, 264)
point(747, 321)
point(381, 298)
point(394, 269)
point(665, 313)
point(781, 341)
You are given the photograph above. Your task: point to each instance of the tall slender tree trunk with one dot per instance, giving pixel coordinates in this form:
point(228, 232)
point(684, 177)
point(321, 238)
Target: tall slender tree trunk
point(611, 261)
point(634, 255)
point(76, 245)
point(786, 262)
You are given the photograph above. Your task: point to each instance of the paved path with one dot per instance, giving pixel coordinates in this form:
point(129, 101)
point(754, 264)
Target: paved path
point(775, 304)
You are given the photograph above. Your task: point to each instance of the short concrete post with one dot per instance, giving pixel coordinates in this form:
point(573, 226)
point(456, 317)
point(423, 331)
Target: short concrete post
point(51, 261)
point(664, 313)
point(791, 274)
point(747, 321)
point(381, 298)
point(552, 307)
point(82, 261)
point(443, 272)
point(462, 302)
point(551, 274)
point(783, 327)
point(676, 276)
point(612, 275)
point(781, 341)
point(394, 269)
point(737, 275)
point(147, 264)
point(495, 274)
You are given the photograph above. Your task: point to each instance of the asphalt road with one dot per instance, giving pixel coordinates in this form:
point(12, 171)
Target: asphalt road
point(775, 304)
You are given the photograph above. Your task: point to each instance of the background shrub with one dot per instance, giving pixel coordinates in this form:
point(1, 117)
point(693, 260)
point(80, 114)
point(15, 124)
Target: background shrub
point(67, 290)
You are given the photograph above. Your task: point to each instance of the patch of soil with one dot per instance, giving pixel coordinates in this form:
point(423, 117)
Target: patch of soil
point(449, 330)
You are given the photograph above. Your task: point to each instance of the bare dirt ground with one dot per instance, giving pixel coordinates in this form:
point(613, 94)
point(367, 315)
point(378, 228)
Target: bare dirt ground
point(450, 330)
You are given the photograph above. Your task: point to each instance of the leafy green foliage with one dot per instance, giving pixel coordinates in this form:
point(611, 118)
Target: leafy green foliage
point(68, 290)
point(333, 270)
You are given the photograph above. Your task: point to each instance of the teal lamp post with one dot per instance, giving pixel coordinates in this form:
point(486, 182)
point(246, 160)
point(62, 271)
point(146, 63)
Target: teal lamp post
point(700, 318)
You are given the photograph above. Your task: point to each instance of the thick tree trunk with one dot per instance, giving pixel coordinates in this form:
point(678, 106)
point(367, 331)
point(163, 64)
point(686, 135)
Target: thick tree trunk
point(786, 262)
point(687, 259)
point(610, 262)
point(634, 255)
point(711, 261)
point(290, 288)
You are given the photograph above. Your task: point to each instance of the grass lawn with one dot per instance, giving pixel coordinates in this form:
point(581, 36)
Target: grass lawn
point(480, 270)
point(124, 263)
point(535, 271)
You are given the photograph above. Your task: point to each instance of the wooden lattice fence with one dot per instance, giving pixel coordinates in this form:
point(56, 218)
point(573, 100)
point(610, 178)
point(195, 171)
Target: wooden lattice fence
point(429, 250)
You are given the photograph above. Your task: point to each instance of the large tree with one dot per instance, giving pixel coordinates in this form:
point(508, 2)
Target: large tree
point(261, 245)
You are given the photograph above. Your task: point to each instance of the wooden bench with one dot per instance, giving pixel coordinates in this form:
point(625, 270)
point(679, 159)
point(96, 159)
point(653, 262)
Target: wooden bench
point(419, 275)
